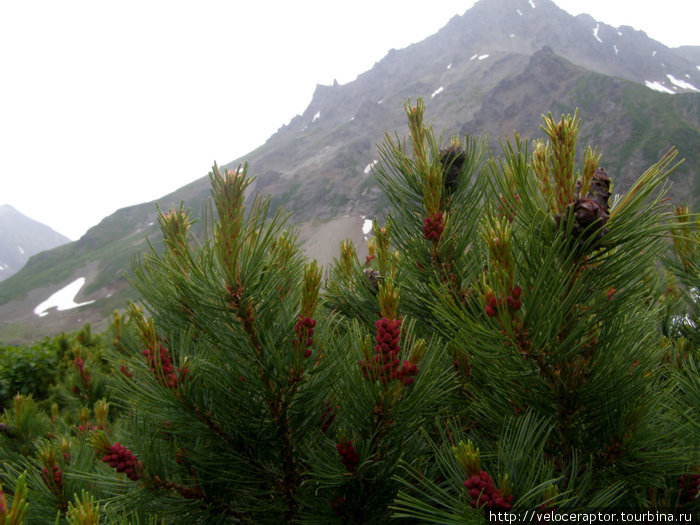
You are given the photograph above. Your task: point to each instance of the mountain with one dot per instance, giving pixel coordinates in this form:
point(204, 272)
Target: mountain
point(496, 68)
point(22, 237)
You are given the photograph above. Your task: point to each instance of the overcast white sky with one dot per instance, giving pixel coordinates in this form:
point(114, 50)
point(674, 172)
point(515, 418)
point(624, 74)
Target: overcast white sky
point(108, 104)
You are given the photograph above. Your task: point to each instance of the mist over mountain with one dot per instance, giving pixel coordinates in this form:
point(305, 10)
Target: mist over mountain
point(495, 69)
point(21, 238)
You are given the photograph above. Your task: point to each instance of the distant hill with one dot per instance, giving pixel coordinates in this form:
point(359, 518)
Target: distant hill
point(22, 237)
point(494, 69)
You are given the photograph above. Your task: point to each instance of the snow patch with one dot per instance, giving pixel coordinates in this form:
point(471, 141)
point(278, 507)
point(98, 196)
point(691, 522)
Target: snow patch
point(619, 32)
point(367, 227)
point(449, 66)
point(369, 167)
point(615, 48)
point(653, 53)
point(475, 56)
point(20, 250)
point(658, 86)
point(519, 12)
point(317, 116)
point(512, 35)
point(532, 4)
point(64, 299)
point(437, 92)
point(481, 57)
point(595, 33)
point(682, 83)
point(698, 67)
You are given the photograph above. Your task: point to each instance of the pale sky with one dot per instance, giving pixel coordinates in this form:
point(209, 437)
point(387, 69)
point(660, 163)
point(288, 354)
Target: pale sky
point(108, 104)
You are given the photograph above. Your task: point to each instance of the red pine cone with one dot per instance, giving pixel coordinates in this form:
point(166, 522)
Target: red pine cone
point(348, 455)
point(484, 493)
point(512, 300)
point(53, 480)
point(433, 227)
point(688, 486)
point(491, 306)
point(407, 373)
point(80, 365)
point(166, 376)
point(123, 460)
point(305, 331)
point(384, 365)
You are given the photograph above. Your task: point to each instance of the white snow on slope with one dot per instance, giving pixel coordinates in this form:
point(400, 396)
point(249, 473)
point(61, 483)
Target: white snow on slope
point(615, 48)
point(481, 57)
point(437, 92)
point(64, 299)
point(368, 168)
point(519, 12)
point(658, 86)
point(595, 33)
point(532, 4)
point(317, 116)
point(20, 250)
point(682, 83)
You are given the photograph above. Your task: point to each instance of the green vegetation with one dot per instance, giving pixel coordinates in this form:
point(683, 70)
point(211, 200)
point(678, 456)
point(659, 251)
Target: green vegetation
point(27, 370)
point(507, 313)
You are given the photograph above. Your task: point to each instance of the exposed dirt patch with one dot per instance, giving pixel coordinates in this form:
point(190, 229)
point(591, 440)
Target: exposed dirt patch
point(321, 241)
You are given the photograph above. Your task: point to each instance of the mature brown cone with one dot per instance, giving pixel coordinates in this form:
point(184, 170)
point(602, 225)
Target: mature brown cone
point(600, 189)
point(373, 278)
point(452, 159)
point(594, 208)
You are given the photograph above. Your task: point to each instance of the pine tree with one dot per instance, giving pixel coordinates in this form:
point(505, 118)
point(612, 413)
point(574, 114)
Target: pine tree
point(538, 283)
point(226, 377)
point(249, 400)
point(508, 344)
